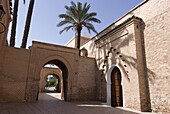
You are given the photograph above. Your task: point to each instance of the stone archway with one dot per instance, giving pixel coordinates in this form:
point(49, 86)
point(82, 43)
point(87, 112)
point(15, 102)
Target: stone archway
point(65, 58)
point(64, 76)
point(110, 79)
point(45, 71)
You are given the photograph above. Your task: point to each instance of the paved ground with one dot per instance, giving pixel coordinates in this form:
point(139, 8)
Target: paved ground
point(49, 103)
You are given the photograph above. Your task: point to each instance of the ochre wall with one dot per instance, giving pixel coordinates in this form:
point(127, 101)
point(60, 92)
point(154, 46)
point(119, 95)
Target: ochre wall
point(85, 80)
point(20, 71)
point(13, 73)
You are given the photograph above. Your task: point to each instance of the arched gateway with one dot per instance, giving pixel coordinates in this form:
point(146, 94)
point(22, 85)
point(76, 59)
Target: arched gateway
point(43, 54)
point(79, 83)
point(50, 71)
point(64, 70)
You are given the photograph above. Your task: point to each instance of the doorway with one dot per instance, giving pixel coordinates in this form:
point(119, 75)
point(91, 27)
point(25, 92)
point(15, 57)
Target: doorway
point(116, 88)
point(53, 79)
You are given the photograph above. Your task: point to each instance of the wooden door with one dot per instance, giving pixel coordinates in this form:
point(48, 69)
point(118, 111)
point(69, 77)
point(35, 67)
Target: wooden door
point(116, 88)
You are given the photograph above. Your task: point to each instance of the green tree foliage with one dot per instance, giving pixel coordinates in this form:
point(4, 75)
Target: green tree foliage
point(76, 17)
point(52, 82)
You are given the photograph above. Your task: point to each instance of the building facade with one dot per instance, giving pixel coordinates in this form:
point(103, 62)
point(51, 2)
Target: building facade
point(128, 63)
point(138, 44)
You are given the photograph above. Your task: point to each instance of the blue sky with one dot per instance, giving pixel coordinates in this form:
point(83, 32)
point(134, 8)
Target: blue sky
point(45, 18)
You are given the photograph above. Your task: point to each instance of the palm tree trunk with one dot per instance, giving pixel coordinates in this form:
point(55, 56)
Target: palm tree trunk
point(27, 25)
point(78, 37)
point(14, 24)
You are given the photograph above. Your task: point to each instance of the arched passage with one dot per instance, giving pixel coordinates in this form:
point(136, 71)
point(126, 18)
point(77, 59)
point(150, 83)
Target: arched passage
point(64, 76)
point(46, 72)
point(51, 83)
point(41, 54)
point(114, 87)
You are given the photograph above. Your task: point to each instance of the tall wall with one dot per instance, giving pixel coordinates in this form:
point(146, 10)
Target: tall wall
point(157, 48)
point(78, 80)
point(85, 82)
point(156, 24)
point(13, 73)
point(118, 47)
point(155, 28)
point(20, 71)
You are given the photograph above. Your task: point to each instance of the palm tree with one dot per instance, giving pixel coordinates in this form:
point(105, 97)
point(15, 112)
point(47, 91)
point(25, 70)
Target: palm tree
point(14, 23)
point(27, 25)
point(77, 17)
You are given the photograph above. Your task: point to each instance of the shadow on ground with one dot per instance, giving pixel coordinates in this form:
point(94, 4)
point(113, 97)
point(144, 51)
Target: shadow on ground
point(50, 103)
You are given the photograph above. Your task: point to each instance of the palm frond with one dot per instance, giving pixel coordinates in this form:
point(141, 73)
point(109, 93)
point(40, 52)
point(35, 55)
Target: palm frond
point(90, 27)
point(66, 17)
point(85, 9)
point(73, 5)
point(93, 19)
point(72, 13)
point(89, 15)
point(67, 7)
point(61, 23)
point(78, 16)
point(79, 11)
point(66, 29)
point(79, 6)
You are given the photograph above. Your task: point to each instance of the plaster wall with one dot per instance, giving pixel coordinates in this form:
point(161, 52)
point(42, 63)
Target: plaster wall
point(91, 48)
point(155, 27)
point(73, 42)
point(118, 48)
point(155, 15)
